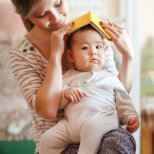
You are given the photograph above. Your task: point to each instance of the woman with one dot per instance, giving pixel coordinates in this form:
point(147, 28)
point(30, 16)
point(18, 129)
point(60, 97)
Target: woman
point(36, 60)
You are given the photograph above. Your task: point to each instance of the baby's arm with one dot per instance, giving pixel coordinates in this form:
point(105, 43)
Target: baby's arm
point(126, 109)
point(73, 94)
point(133, 125)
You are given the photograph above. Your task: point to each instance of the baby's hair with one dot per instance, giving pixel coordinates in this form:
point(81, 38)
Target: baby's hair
point(85, 28)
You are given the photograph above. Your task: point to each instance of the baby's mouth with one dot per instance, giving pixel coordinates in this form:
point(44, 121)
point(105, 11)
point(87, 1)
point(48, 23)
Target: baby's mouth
point(94, 60)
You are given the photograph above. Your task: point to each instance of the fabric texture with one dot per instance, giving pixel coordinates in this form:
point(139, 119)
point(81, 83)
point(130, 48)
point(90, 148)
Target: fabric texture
point(93, 113)
point(55, 140)
point(104, 88)
point(117, 141)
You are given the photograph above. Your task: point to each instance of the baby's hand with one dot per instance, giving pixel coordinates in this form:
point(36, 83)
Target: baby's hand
point(73, 94)
point(133, 125)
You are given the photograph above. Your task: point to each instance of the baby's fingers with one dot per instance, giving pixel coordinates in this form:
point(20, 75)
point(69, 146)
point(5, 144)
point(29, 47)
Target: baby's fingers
point(77, 95)
point(71, 98)
point(132, 128)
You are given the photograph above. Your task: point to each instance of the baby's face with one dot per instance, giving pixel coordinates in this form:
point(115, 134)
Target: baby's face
point(88, 50)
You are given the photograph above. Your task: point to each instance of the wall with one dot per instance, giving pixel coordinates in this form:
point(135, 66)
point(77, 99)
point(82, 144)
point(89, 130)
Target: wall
point(108, 10)
point(146, 20)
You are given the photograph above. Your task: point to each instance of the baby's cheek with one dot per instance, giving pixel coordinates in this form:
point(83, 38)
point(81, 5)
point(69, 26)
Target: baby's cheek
point(103, 60)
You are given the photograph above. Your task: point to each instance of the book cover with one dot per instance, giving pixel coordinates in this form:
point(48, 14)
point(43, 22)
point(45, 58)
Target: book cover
point(93, 20)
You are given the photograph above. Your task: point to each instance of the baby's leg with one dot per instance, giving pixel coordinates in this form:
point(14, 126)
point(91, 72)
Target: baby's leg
point(54, 140)
point(93, 130)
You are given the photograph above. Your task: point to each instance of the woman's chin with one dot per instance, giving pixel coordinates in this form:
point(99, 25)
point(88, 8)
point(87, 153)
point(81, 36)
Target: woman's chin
point(57, 26)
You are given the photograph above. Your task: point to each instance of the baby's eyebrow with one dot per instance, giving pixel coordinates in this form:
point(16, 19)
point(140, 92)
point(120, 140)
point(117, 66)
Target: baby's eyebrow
point(100, 41)
point(83, 43)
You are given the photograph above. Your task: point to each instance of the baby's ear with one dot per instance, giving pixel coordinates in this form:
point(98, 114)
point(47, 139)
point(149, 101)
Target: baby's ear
point(69, 55)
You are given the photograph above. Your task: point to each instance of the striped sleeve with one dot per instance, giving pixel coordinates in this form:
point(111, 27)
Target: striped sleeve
point(26, 75)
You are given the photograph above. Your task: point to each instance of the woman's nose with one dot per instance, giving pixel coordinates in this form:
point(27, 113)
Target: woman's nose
point(53, 16)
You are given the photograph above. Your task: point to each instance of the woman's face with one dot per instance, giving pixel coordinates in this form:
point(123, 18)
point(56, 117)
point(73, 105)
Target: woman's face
point(50, 14)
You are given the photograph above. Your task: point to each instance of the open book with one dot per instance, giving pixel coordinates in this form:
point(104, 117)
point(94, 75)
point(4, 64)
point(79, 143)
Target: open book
point(93, 20)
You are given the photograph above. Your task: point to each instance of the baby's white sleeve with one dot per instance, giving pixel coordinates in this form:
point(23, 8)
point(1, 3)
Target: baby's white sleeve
point(125, 107)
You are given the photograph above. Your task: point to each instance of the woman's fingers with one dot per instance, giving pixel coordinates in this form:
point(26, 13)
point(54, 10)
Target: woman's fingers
point(60, 33)
point(64, 30)
point(57, 38)
point(117, 26)
point(114, 32)
point(109, 23)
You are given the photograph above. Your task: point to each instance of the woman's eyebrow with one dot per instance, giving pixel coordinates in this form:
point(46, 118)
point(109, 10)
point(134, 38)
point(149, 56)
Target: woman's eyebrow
point(38, 11)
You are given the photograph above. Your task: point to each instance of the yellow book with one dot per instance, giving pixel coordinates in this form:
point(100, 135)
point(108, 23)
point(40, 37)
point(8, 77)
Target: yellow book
point(86, 19)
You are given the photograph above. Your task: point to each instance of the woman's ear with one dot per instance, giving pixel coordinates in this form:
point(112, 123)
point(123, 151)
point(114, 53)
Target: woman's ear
point(69, 55)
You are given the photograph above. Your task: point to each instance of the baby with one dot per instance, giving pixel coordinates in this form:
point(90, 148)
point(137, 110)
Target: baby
point(94, 98)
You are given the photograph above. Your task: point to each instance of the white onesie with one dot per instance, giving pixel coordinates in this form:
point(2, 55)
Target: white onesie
point(105, 101)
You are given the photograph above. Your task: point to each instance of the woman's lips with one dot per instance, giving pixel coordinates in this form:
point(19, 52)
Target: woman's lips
point(60, 23)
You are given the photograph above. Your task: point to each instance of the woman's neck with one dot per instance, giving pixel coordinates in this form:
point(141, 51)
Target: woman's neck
point(38, 35)
point(41, 40)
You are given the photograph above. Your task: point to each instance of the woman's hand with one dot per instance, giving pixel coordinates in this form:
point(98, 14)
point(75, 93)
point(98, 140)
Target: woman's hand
point(58, 39)
point(120, 38)
point(122, 42)
point(73, 94)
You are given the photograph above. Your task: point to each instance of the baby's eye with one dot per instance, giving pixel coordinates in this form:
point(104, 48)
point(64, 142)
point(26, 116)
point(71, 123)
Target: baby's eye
point(84, 48)
point(98, 47)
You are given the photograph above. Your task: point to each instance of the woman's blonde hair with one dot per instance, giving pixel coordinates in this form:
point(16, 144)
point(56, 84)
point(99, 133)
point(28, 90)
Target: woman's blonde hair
point(24, 8)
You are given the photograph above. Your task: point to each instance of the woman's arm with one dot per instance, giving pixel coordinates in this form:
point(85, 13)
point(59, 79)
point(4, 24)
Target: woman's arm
point(126, 72)
point(49, 93)
point(123, 44)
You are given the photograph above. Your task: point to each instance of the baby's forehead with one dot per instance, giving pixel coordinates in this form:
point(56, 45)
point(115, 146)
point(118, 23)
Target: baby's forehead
point(85, 29)
point(78, 36)
point(86, 33)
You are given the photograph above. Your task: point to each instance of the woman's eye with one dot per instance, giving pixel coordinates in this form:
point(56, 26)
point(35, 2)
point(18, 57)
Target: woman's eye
point(41, 16)
point(84, 48)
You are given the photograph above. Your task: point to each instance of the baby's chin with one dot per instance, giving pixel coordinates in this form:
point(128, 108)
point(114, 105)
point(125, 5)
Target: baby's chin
point(94, 68)
point(90, 68)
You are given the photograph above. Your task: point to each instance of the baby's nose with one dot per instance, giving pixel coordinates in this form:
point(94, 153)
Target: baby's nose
point(92, 53)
